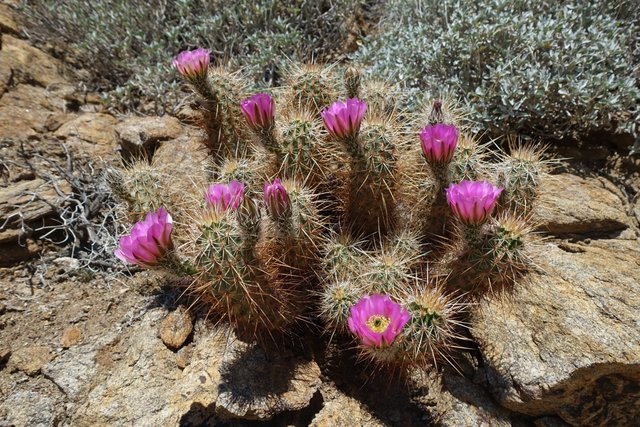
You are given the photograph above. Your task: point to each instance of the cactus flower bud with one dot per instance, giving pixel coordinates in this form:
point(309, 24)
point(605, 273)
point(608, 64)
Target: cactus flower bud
point(473, 201)
point(193, 64)
point(259, 110)
point(225, 196)
point(342, 119)
point(377, 320)
point(439, 142)
point(149, 240)
point(277, 200)
point(436, 115)
point(352, 80)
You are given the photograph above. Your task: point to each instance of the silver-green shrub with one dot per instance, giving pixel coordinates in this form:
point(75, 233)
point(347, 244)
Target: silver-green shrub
point(127, 46)
point(543, 69)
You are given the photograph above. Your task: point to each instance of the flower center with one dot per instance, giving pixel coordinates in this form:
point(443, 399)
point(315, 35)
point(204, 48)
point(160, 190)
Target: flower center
point(378, 323)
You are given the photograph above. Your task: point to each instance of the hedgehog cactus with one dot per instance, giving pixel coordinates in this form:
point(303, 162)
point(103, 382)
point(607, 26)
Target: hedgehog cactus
point(325, 199)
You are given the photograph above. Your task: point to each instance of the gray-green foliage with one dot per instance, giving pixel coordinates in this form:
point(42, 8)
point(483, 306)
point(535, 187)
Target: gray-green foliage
point(540, 68)
point(127, 46)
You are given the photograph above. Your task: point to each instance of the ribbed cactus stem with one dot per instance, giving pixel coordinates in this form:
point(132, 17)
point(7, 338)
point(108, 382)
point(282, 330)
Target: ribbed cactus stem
point(270, 142)
point(177, 266)
point(352, 146)
point(441, 172)
point(473, 236)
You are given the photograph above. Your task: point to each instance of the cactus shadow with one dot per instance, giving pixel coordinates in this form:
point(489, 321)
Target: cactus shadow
point(389, 396)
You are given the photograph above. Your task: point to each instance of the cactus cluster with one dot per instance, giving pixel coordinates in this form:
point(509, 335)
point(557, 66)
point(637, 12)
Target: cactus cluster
point(326, 203)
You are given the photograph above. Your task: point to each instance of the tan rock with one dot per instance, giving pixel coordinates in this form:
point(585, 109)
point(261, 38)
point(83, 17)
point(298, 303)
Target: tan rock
point(144, 387)
point(176, 328)
point(20, 122)
point(30, 360)
point(572, 204)
point(30, 97)
point(19, 205)
point(8, 22)
point(566, 342)
point(5, 77)
point(183, 356)
point(90, 133)
point(30, 64)
point(70, 337)
point(141, 134)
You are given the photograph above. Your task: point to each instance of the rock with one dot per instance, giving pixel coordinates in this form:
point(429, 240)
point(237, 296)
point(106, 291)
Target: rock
point(15, 249)
point(550, 422)
point(181, 157)
point(30, 360)
point(73, 369)
point(30, 97)
point(8, 22)
point(183, 356)
point(138, 382)
point(19, 122)
point(29, 64)
point(572, 204)
point(141, 134)
point(5, 77)
point(566, 341)
point(55, 120)
point(453, 400)
point(66, 264)
point(70, 337)
point(5, 354)
point(342, 410)
point(255, 387)
point(19, 206)
point(90, 133)
point(176, 327)
point(29, 408)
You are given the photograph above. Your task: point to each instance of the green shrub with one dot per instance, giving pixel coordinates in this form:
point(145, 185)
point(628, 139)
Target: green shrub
point(542, 69)
point(127, 46)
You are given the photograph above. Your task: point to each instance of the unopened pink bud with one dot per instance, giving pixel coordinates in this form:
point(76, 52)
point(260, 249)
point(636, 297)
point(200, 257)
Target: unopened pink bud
point(277, 200)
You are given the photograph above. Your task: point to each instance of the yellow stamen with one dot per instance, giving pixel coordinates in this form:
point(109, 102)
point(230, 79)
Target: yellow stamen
point(378, 323)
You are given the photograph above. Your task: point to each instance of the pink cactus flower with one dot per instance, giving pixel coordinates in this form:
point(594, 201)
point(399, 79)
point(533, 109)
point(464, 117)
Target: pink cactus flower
point(259, 110)
point(277, 200)
point(377, 320)
point(225, 196)
point(193, 64)
point(473, 201)
point(342, 119)
point(439, 142)
point(149, 240)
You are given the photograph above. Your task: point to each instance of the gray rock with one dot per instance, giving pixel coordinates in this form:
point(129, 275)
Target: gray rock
point(566, 341)
point(73, 369)
point(29, 408)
